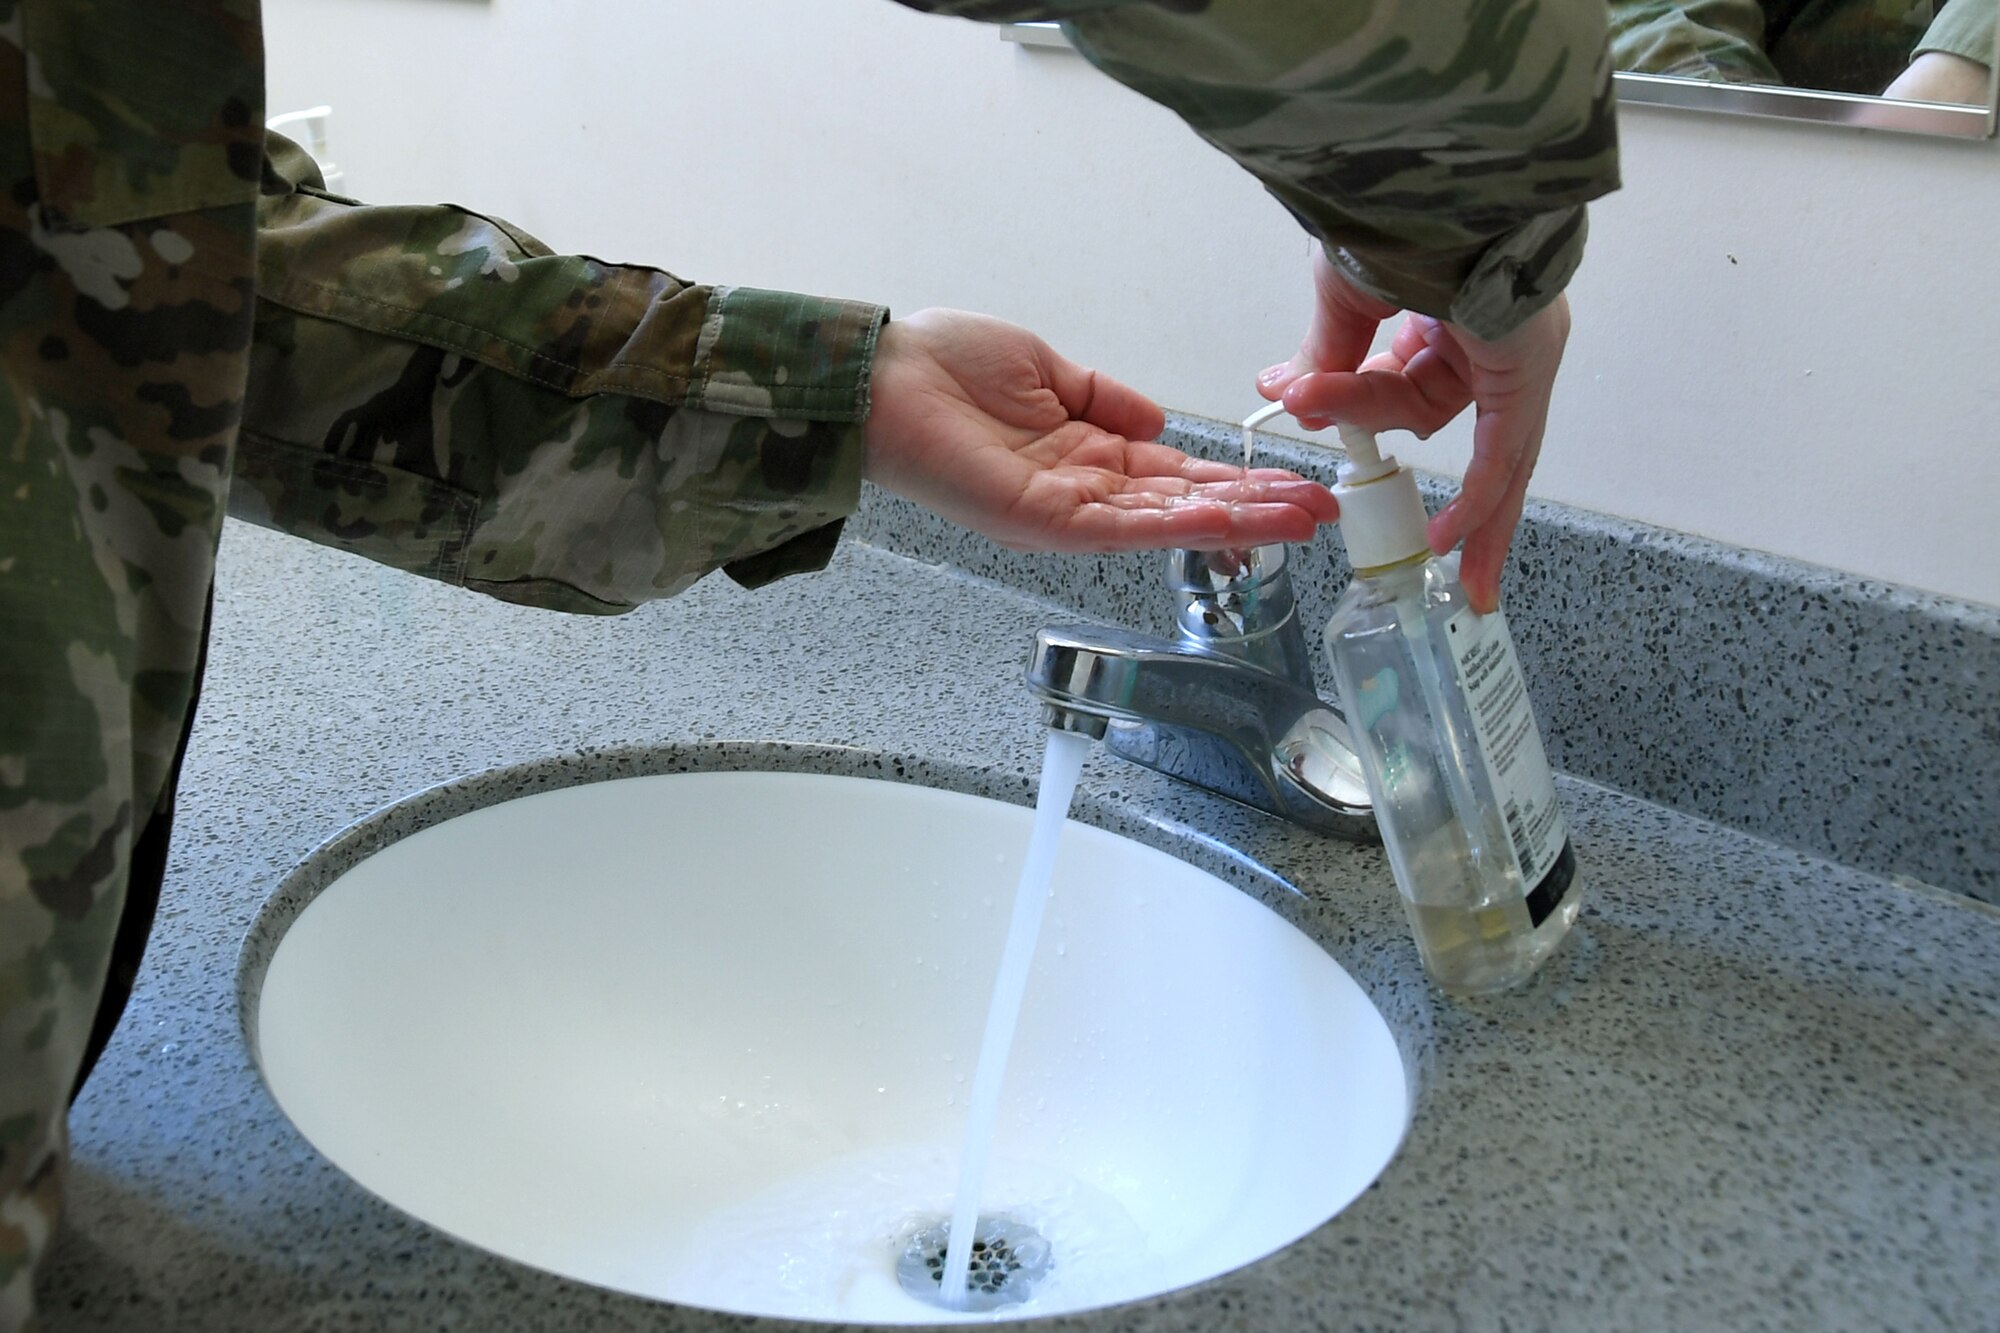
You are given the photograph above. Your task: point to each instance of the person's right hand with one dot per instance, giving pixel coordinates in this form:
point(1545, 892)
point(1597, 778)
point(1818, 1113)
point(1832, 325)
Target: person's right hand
point(1431, 371)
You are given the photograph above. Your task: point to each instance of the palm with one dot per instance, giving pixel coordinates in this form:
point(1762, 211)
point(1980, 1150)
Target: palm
point(983, 423)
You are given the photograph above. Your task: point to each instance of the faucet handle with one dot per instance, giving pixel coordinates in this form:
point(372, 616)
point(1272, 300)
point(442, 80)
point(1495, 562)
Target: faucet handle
point(1238, 602)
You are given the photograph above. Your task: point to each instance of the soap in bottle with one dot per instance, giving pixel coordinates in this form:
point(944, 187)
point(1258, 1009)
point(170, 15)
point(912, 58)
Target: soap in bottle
point(1455, 767)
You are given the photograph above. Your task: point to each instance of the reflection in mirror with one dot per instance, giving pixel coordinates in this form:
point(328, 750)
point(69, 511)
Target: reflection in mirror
point(1912, 50)
point(1917, 66)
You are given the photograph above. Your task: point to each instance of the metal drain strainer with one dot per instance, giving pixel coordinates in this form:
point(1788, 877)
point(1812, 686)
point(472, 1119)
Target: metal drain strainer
point(1008, 1258)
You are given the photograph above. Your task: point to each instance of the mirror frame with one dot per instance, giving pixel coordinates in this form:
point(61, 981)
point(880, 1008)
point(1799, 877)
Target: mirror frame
point(1826, 108)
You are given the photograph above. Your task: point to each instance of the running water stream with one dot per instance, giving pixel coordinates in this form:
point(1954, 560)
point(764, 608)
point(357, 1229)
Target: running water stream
point(1062, 762)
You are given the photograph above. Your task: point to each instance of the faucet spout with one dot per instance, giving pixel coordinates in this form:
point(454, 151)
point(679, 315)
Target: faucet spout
point(1229, 726)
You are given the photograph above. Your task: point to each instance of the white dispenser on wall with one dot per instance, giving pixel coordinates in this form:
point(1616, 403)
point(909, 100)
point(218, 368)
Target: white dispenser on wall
point(1447, 739)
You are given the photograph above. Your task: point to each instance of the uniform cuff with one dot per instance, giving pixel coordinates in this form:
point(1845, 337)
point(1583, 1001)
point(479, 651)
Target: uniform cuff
point(1489, 292)
point(782, 354)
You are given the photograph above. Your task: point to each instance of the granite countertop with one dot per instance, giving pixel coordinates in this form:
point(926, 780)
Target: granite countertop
point(1757, 1089)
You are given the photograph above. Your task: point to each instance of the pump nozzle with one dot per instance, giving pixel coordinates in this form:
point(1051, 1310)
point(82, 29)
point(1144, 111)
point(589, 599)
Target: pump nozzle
point(1365, 462)
point(1381, 514)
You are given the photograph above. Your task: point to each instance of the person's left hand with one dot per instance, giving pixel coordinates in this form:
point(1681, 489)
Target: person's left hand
point(982, 422)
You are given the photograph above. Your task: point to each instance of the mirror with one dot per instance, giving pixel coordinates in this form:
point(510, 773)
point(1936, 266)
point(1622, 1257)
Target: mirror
point(1922, 66)
point(1913, 66)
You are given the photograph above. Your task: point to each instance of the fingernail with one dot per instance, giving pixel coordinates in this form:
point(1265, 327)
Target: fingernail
point(1271, 375)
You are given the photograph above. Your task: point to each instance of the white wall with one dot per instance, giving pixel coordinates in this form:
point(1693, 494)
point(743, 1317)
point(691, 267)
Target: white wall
point(1786, 337)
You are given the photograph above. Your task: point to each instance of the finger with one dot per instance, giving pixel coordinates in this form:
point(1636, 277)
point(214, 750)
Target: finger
point(1388, 361)
point(1338, 336)
point(1413, 335)
point(1296, 492)
point(1506, 439)
point(1443, 386)
point(1196, 524)
point(1485, 554)
point(1411, 340)
point(1146, 458)
point(1441, 339)
point(1422, 397)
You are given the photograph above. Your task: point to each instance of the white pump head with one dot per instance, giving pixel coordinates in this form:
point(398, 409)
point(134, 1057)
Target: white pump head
point(1364, 456)
point(1382, 516)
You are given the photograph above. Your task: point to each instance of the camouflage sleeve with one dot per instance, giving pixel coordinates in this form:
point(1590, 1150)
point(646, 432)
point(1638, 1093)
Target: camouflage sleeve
point(1963, 28)
point(438, 391)
point(1443, 150)
point(1722, 43)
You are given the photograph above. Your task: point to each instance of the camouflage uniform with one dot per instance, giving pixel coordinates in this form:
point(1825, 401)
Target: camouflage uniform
point(188, 324)
point(1853, 46)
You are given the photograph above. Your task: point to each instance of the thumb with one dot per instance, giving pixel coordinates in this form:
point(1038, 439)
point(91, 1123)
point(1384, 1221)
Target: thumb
point(1342, 329)
point(1092, 396)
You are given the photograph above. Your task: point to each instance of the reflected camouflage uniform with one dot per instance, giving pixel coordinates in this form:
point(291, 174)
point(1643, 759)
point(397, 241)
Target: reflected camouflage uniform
point(189, 324)
point(1853, 46)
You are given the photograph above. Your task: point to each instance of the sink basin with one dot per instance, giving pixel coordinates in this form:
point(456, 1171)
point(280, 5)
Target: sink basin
point(708, 1038)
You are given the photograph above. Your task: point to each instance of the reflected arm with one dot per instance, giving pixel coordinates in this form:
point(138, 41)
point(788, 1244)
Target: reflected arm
point(1953, 63)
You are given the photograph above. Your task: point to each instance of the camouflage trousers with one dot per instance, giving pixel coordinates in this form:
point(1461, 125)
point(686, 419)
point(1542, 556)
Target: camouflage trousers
point(123, 356)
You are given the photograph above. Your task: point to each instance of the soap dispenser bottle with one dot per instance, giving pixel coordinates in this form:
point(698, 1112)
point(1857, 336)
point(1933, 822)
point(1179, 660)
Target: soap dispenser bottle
point(1440, 717)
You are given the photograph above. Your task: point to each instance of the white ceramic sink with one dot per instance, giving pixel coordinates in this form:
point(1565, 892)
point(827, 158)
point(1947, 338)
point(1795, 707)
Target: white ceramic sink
point(708, 1038)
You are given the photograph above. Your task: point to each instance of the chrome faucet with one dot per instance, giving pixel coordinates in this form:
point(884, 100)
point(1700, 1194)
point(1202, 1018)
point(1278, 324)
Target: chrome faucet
point(1228, 705)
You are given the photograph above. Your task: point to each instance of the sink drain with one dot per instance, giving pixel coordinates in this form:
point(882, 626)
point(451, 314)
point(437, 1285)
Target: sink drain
point(1008, 1258)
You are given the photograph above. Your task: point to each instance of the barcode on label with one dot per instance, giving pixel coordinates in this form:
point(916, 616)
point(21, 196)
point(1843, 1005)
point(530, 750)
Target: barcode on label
point(1517, 828)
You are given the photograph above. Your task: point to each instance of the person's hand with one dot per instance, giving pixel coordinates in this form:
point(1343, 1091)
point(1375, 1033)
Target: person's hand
point(982, 422)
point(1940, 76)
point(1428, 375)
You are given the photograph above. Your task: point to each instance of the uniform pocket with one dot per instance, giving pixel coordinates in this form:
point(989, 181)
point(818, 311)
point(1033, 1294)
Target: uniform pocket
point(138, 108)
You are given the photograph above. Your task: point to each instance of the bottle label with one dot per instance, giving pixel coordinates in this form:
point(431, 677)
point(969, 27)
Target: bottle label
point(1511, 748)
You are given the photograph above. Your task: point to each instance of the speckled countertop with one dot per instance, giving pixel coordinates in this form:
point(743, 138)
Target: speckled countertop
point(1756, 1090)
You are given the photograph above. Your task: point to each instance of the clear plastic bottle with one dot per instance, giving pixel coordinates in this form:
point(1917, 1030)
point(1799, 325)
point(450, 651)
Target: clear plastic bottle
point(1440, 716)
